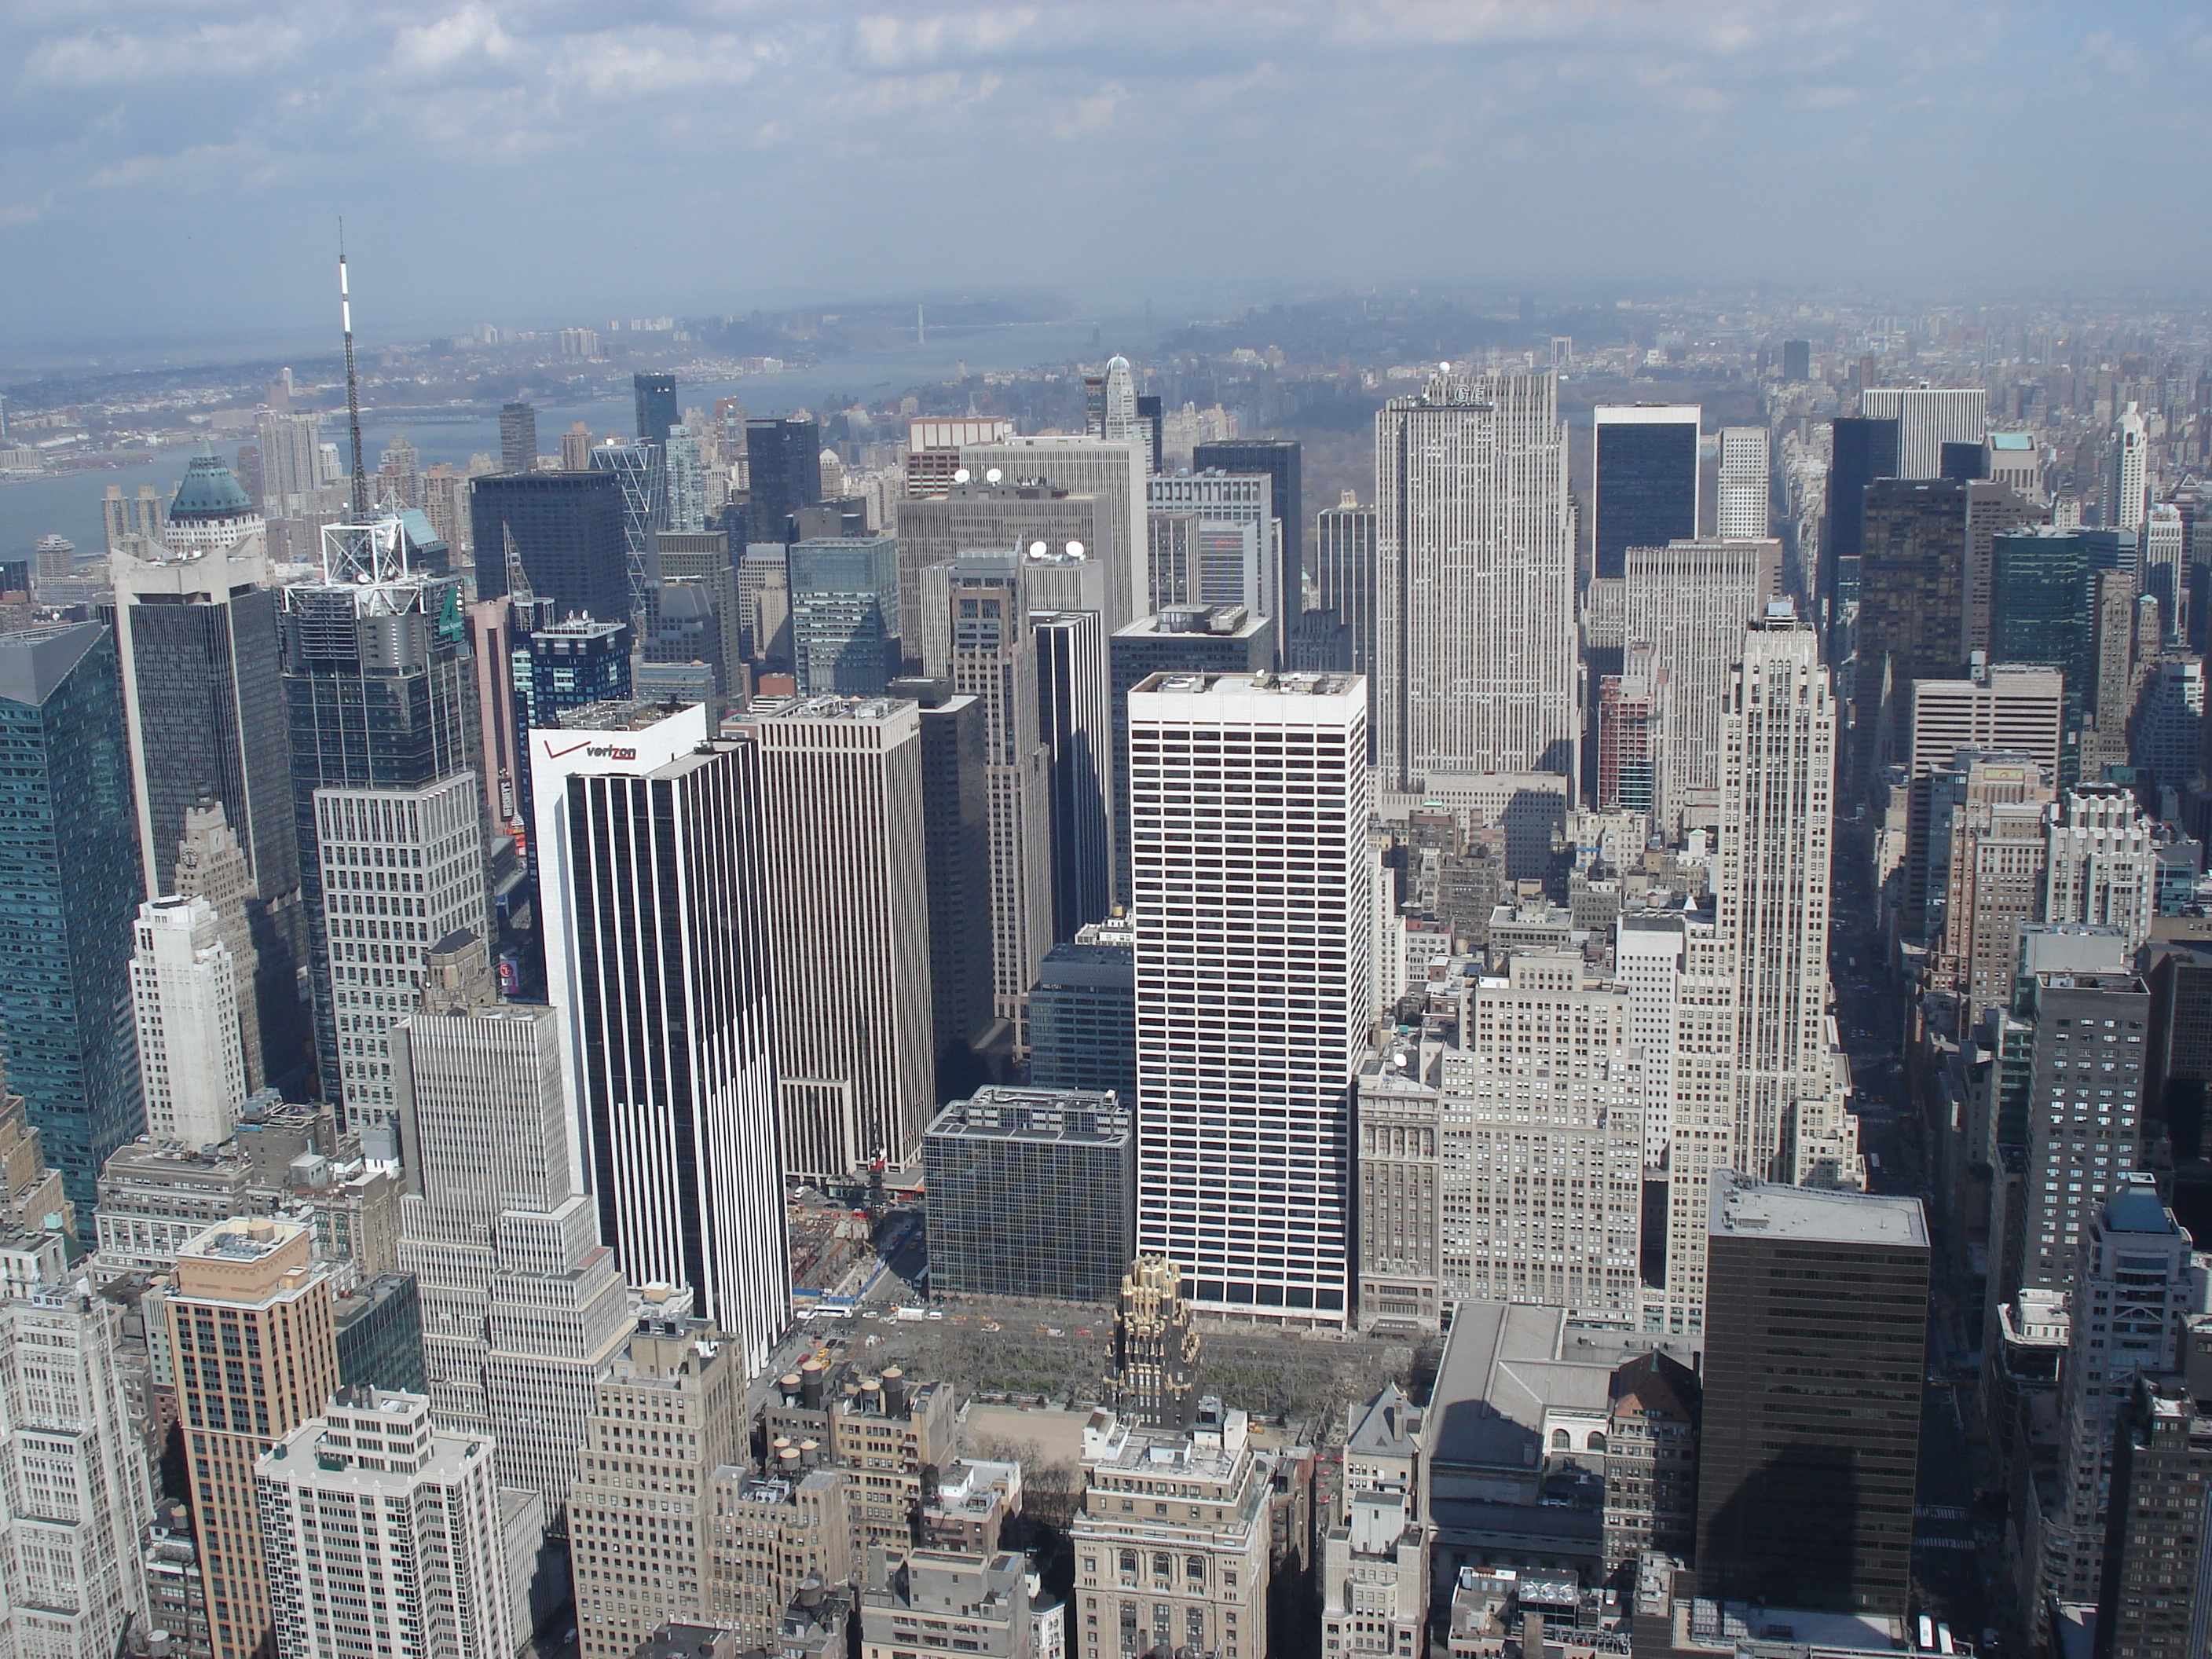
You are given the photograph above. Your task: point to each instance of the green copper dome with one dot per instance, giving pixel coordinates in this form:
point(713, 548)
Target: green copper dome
point(209, 490)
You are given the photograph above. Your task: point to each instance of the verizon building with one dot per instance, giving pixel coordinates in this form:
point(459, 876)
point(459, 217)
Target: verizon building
point(1248, 804)
point(648, 836)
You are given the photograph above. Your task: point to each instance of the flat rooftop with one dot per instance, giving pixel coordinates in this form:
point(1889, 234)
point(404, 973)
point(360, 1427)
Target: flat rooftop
point(1262, 684)
point(1742, 1208)
point(623, 714)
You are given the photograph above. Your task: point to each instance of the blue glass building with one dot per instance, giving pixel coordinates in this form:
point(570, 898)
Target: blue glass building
point(70, 887)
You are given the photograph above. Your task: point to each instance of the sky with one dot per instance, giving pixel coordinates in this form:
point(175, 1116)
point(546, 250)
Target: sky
point(178, 166)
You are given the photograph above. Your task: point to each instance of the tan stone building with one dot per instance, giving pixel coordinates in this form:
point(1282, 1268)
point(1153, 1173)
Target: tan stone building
point(256, 1355)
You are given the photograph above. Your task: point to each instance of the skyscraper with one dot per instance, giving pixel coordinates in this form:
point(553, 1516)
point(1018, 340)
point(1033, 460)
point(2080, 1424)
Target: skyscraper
point(1643, 492)
point(1344, 583)
point(2126, 475)
point(1212, 540)
point(1691, 601)
point(687, 482)
point(1796, 360)
point(852, 566)
point(2082, 1120)
point(70, 892)
point(1245, 1103)
point(370, 1480)
point(842, 783)
point(956, 817)
point(998, 517)
point(185, 990)
point(633, 1575)
point(2157, 1598)
point(1911, 622)
point(1860, 451)
point(1927, 418)
point(2129, 1279)
point(211, 865)
point(73, 1572)
point(1283, 460)
point(1075, 725)
point(658, 407)
point(1992, 510)
point(975, 633)
point(523, 1309)
point(784, 460)
point(1778, 781)
point(649, 837)
point(1191, 640)
point(518, 437)
point(198, 640)
point(1111, 469)
point(642, 480)
point(568, 530)
point(1797, 1506)
point(253, 1286)
point(1476, 663)
point(1746, 490)
point(380, 699)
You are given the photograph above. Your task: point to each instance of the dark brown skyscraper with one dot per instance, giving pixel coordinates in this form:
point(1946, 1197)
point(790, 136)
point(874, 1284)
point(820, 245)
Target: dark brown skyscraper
point(1816, 1323)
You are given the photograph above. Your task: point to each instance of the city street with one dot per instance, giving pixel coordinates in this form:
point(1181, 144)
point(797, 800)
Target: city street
point(1894, 1136)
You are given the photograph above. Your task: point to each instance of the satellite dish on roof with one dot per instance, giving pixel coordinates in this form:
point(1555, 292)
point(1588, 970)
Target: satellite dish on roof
point(992, 474)
point(1036, 550)
point(960, 475)
point(1075, 549)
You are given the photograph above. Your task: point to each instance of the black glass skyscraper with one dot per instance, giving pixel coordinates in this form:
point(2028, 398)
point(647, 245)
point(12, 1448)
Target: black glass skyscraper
point(70, 889)
point(381, 704)
point(1862, 449)
point(657, 408)
point(784, 459)
point(1283, 461)
point(567, 527)
point(1645, 493)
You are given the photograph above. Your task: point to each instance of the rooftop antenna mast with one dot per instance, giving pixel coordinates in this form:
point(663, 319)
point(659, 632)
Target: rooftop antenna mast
point(353, 385)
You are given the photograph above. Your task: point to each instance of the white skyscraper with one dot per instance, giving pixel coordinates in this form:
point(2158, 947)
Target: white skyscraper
point(1745, 492)
point(1475, 618)
point(648, 837)
point(71, 1566)
point(1777, 779)
point(2127, 477)
point(523, 1310)
point(1690, 601)
point(2101, 862)
point(186, 991)
point(1248, 808)
point(842, 783)
point(1928, 417)
point(1121, 410)
point(401, 869)
point(383, 1535)
point(1648, 967)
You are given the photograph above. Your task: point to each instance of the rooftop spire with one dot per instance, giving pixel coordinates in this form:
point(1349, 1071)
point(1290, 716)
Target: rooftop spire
point(353, 385)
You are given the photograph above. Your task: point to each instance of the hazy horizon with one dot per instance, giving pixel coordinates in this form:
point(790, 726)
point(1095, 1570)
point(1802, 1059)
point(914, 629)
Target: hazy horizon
point(179, 176)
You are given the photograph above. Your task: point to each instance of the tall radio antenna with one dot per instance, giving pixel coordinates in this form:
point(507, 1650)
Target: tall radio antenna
point(353, 385)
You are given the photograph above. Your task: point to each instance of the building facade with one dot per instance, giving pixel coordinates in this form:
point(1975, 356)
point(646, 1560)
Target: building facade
point(371, 1481)
point(841, 780)
point(1476, 664)
point(1244, 1108)
point(680, 1144)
